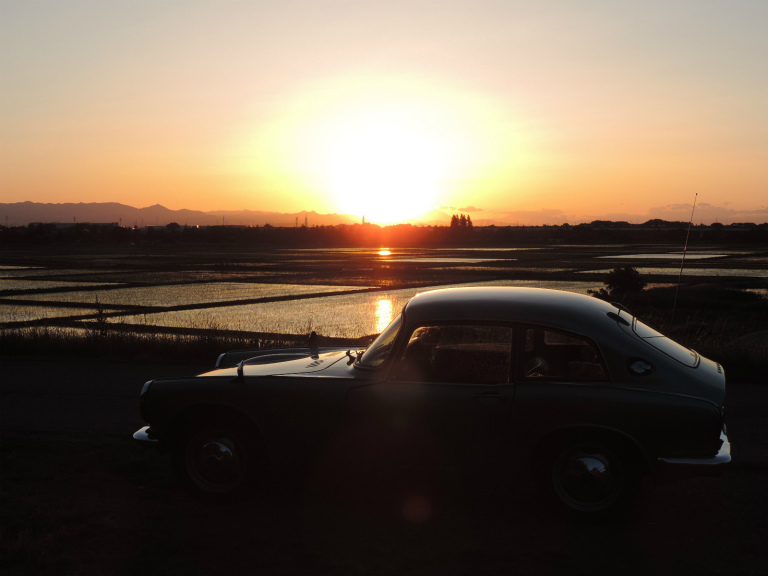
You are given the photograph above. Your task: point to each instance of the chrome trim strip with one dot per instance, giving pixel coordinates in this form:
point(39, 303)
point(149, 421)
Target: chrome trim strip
point(723, 456)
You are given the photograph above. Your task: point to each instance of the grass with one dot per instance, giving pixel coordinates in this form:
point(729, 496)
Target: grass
point(112, 343)
point(84, 503)
point(62, 510)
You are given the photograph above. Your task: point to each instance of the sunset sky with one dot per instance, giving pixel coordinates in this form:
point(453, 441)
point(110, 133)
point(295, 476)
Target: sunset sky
point(527, 112)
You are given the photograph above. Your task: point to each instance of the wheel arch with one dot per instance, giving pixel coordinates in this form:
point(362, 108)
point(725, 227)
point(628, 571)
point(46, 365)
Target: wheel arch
point(619, 440)
point(201, 414)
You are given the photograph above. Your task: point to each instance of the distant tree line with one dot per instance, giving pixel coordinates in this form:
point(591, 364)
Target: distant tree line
point(620, 283)
point(461, 221)
point(462, 233)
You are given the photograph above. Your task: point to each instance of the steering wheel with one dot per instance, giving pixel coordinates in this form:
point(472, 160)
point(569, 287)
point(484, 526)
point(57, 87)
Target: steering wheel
point(536, 367)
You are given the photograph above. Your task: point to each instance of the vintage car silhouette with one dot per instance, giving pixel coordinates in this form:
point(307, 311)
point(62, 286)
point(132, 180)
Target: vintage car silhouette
point(564, 388)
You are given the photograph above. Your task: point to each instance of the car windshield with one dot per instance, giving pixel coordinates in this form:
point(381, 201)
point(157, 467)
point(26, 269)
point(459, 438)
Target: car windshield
point(666, 345)
point(378, 352)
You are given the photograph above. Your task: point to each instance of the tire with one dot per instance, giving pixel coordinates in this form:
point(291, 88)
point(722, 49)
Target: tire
point(591, 479)
point(216, 462)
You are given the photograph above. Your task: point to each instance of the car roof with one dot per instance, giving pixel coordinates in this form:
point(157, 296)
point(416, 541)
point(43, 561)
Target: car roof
point(555, 308)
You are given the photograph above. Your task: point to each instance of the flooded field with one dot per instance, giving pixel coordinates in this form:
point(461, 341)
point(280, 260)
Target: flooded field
point(336, 292)
point(700, 272)
point(184, 294)
point(669, 256)
point(13, 314)
point(20, 271)
point(352, 315)
point(24, 284)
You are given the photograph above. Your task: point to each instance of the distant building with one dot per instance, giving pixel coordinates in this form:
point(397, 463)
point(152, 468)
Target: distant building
point(62, 225)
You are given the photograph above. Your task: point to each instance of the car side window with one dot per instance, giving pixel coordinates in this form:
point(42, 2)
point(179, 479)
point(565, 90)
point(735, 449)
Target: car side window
point(459, 353)
point(551, 355)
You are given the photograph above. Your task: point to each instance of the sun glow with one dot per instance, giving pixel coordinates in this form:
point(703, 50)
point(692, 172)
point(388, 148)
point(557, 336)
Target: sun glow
point(387, 149)
point(384, 170)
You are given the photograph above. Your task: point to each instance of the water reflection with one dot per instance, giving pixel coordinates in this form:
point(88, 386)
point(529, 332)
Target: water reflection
point(675, 270)
point(384, 310)
point(454, 260)
point(667, 256)
point(385, 252)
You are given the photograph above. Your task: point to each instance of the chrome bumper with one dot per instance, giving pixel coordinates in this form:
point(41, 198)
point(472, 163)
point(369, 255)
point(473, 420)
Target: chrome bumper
point(143, 436)
point(723, 457)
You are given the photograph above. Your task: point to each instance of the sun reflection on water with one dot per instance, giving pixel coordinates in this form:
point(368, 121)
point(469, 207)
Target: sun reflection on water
point(383, 314)
point(385, 252)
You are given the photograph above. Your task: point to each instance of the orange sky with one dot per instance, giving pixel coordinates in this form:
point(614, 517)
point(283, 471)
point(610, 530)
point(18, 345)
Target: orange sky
point(511, 111)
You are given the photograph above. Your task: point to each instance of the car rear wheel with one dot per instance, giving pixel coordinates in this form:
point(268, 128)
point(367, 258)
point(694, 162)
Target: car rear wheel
point(590, 479)
point(216, 461)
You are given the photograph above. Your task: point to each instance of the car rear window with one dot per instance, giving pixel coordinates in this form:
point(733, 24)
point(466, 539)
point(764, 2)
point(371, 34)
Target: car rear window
point(665, 344)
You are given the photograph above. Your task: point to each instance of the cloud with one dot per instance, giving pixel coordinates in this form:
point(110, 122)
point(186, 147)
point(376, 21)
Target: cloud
point(464, 209)
point(525, 218)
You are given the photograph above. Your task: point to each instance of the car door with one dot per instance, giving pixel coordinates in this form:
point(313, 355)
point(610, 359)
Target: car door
point(444, 403)
point(562, 382)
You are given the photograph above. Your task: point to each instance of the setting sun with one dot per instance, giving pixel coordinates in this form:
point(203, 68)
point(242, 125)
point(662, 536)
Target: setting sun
point(382, 167)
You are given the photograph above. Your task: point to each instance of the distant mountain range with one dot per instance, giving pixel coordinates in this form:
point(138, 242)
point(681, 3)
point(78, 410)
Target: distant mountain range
point(24, 213)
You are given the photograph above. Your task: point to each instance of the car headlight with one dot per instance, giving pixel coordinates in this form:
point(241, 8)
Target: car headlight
point(143, 398)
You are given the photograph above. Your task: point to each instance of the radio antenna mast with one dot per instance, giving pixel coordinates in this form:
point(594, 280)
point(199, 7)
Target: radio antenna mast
point(682, 262)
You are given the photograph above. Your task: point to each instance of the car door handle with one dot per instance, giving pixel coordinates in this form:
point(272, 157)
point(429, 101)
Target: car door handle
point(495, 396)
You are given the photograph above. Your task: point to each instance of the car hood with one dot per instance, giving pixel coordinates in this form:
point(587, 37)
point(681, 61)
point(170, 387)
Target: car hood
point(283, 364)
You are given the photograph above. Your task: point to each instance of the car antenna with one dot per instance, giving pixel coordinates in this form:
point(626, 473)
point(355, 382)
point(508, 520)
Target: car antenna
point(682, 262)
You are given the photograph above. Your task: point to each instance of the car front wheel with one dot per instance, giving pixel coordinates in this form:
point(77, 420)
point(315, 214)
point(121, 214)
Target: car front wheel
point(216, 462)
point(590, 479)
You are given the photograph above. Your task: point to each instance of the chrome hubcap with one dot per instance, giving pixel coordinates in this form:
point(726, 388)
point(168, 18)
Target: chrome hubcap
point(215, 464)
point(585, 480)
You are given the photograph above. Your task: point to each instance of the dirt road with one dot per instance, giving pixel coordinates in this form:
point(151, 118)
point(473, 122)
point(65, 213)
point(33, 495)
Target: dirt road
point(78, 497)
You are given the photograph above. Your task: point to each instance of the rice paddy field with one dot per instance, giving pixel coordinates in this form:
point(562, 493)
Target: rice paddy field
point(341, 293)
